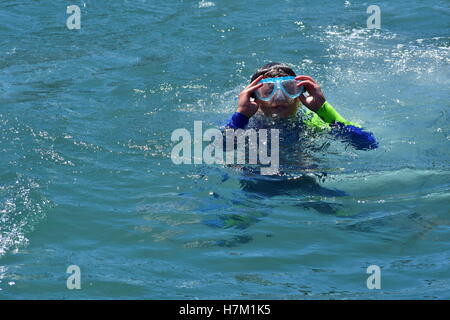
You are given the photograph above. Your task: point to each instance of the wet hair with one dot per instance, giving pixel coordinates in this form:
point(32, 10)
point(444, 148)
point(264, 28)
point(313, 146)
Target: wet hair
point(274, 69)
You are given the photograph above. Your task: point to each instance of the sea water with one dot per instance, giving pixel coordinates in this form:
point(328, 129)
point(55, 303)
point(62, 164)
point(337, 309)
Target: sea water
point(87, 179)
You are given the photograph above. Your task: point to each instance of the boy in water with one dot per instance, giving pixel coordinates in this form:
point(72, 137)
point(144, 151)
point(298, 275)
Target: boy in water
point(276, 92)
point(273, 99)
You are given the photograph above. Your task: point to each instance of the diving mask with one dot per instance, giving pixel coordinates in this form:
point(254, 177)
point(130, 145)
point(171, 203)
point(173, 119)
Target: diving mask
point(271, 86)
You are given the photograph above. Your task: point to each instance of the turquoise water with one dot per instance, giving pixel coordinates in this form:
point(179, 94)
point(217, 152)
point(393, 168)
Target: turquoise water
point(86, 118)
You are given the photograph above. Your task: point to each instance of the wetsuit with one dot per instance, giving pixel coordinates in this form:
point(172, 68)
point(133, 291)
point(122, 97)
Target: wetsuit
point(326, 118)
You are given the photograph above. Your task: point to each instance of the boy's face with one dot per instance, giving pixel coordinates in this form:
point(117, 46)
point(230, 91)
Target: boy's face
point(280, 104)
point(280, 107)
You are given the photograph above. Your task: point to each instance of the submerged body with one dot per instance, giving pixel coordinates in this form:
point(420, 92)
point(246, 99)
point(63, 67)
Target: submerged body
point(326, 118)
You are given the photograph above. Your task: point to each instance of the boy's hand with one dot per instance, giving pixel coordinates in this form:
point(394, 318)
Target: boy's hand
point(245, 106)
point(316, 98)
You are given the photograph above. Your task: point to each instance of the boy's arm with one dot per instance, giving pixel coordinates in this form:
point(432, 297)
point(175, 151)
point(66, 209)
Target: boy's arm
point(317, 103)
point(327, 116)
point(237, 121)
point(245, 110)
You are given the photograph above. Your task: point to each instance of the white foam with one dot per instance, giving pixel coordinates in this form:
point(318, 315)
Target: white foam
point(206, 4)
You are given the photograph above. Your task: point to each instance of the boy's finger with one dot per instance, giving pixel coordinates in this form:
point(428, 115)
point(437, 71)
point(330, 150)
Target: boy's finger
point(302, 99)
point(305, 78)
point(246, 93)
point(253, 88)
point(255, 81)
point(309, 85)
